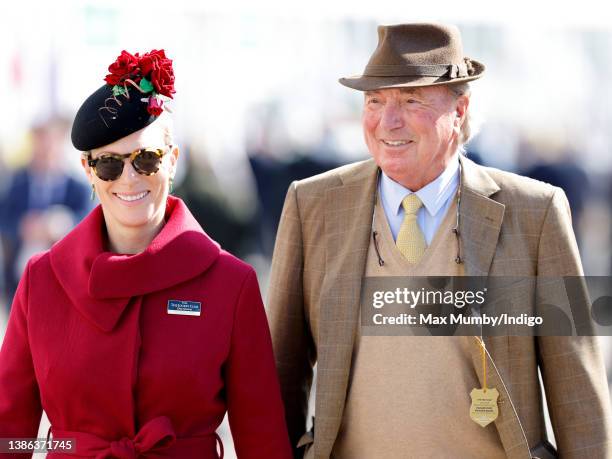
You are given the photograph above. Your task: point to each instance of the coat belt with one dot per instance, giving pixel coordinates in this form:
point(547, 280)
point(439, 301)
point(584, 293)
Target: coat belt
point(156, 436)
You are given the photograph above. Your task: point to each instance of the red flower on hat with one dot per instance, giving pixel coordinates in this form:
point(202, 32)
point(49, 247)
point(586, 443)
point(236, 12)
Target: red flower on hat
point(155, 106)
point(157, 68)
point(163, 80)
point(150, 61)
point(150, 74)
point(126, 66)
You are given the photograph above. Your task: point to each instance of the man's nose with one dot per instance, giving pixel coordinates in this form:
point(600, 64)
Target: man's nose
point(391, 117)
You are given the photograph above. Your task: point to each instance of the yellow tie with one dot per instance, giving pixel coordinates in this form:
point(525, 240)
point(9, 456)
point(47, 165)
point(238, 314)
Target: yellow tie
point(410, 240)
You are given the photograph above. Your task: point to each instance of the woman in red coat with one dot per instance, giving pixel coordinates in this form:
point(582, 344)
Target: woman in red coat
point(136, 332)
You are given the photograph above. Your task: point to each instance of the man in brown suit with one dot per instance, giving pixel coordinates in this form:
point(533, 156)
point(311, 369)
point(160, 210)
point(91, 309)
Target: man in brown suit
point(399, 214)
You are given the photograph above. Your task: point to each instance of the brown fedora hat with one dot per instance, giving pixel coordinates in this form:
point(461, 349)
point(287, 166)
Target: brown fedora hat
point(410, 55)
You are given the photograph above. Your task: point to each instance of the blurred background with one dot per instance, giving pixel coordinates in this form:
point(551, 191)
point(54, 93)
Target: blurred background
point(258, 106)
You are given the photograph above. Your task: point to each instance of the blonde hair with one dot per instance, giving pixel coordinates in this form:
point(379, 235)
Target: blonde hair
point(166, 123)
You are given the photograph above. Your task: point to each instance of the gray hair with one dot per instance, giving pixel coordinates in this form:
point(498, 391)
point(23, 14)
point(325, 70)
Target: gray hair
point(467, 129)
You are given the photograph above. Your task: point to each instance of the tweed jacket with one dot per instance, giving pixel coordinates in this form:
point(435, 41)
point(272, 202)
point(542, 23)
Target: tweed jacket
point(510, 226)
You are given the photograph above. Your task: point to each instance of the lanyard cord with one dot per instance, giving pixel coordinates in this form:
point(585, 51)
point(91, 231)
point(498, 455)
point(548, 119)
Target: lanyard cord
point(483, 353)
point(381, 262)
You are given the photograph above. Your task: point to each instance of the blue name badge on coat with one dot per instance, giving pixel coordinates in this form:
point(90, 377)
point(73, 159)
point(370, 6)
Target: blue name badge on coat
point(184, 308)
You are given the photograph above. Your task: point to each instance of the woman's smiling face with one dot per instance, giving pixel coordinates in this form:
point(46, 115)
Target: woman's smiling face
point(135, 201)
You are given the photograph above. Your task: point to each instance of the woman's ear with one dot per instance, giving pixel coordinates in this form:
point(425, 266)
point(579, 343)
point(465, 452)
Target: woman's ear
point(86, 168)
point(174, 155)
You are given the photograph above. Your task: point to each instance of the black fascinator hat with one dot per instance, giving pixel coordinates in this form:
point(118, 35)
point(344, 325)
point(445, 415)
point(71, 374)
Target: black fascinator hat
point(132, 98)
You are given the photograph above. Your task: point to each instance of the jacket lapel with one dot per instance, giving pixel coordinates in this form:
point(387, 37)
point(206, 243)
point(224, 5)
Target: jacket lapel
point(480, 218)
point(348, 219)
point(479, 226)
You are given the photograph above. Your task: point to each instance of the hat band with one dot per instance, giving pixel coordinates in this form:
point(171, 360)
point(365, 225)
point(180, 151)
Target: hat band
point(448, 70)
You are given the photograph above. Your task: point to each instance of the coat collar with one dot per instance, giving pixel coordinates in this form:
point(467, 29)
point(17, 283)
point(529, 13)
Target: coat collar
point(348, 219)
point(100, 283)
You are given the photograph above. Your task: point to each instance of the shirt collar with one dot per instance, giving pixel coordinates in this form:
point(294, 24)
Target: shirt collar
point(433, 195)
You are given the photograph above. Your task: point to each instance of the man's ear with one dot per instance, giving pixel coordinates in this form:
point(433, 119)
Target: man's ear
point(461, 105)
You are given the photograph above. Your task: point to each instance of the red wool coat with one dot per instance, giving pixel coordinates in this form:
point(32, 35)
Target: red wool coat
point(91, 341)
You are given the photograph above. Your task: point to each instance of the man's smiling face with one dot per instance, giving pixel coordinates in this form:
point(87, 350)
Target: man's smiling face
point(412, 133)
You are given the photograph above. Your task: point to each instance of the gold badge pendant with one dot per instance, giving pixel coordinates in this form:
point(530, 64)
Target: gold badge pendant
point(484, 408)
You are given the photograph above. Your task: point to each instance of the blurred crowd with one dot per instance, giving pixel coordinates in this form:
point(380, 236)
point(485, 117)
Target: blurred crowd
point(40, 202)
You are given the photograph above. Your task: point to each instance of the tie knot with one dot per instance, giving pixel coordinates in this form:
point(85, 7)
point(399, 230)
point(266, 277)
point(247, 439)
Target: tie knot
point(411, 204)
